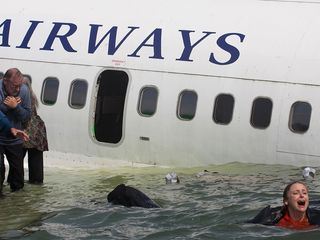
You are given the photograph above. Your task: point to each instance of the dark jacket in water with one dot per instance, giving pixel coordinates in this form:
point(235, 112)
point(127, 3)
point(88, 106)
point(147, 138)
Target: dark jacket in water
point(130, 197)
point(271, 216)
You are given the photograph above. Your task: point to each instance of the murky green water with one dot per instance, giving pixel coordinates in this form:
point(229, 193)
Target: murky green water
point(72, 204)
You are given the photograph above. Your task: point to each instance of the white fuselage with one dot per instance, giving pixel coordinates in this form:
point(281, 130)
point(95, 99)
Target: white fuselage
point(247, 49)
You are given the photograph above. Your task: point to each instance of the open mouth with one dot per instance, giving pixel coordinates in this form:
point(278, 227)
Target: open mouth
point(301, 203)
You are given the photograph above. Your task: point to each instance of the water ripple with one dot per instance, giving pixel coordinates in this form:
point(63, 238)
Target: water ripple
point(72, 204)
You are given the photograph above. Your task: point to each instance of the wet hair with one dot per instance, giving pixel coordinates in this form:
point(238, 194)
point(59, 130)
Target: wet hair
point(287, 188)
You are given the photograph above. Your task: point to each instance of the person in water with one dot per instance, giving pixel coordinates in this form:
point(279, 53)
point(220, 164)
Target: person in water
point(130, 197)
point(38, 142)
point(295, 212)
point(6, 127)
point(16, 105)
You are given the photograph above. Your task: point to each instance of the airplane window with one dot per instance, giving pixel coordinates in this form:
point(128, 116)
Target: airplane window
point(300, 115)
point(223, 109)
point(261, 113)
point(148, 101)
point(78, 93)
point(187, 105)
point(49, 91)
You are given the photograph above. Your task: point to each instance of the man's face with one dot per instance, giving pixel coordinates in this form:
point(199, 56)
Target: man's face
point(13, 84)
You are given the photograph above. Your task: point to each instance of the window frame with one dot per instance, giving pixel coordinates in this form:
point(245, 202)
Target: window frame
point(215, 107)
point(252, 113)
point(291, 115)
point(140, 100)
point(43, 90)
point(179, 105)
point(71, 91)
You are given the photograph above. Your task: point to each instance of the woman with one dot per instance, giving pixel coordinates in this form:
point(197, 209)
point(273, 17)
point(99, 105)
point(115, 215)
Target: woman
point(295, 212)
point(37, 143)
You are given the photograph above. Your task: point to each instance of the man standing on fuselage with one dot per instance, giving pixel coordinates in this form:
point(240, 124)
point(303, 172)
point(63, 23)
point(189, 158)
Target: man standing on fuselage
point(16, 105)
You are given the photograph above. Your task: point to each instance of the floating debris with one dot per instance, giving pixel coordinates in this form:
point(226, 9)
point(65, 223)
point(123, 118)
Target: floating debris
point(204, 172)
point(172, 178)
point(308, 173)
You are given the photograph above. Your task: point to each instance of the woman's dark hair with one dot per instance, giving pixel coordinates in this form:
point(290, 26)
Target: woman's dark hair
point(287, 188)
point(28, 80)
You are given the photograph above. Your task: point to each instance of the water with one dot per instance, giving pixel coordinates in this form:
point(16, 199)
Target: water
point(72, 204)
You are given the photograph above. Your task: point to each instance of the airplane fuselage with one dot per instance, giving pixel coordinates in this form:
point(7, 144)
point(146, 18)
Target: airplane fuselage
point(178, 84)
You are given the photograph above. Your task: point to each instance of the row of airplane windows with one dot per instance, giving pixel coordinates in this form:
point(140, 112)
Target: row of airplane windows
point(50, 87)
point(261, 111)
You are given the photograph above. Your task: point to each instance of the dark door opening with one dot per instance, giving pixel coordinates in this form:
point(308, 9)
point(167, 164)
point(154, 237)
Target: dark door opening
point(110, 106)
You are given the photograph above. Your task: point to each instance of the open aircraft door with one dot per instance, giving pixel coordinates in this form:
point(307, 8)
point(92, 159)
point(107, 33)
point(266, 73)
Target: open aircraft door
point(109, 108)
